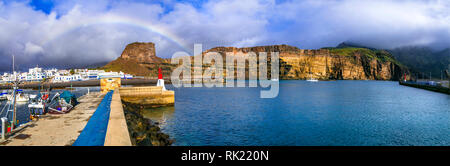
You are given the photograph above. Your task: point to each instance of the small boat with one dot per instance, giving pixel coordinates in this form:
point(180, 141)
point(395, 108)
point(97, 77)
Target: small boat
point(20, 96)
point(4, 95)
point(311, 79)
point(62, 103)
point(38, 104)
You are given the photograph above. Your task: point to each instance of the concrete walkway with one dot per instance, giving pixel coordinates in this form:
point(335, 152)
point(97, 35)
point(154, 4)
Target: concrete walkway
point(117, 133)
point(57, 130)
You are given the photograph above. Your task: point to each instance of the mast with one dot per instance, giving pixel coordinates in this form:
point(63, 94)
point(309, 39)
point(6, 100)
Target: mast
point(14, 99)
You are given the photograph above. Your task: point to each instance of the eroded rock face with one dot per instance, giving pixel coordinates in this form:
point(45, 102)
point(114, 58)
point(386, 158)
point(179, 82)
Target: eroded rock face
point(141, 52)
point(139, 59)
point(325, 64)
point(328, 64)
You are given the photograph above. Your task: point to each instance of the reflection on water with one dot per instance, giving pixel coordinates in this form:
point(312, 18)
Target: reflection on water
point(159, 114)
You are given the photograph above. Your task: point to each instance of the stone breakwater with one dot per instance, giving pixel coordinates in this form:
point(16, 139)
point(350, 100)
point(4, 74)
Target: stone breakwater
point(143, 132)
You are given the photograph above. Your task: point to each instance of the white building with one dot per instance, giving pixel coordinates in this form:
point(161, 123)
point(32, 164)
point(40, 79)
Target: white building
point(38, 74)
point(67, 78)
point(94, 74)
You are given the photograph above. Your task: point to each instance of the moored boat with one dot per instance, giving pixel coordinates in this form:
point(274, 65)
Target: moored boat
point(20, 96)
point(4, 95)
point(38, 104)
point(62, 103)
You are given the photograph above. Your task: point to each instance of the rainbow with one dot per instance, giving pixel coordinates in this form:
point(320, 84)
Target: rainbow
point(116, 19)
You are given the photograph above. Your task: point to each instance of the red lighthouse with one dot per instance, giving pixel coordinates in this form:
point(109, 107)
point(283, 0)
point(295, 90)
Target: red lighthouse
point(160, 80)
point(160, 74)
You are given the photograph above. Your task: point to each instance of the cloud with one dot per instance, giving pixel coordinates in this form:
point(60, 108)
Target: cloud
point(382, 24)
point(33, 49)
point(77, 32)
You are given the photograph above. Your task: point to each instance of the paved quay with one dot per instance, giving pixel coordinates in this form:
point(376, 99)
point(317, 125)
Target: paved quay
point(57, 130)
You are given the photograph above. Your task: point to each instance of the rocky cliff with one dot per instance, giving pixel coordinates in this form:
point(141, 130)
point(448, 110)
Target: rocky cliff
point(140, 52)
point(329, 63)
point(347, 63)
point(139, 59)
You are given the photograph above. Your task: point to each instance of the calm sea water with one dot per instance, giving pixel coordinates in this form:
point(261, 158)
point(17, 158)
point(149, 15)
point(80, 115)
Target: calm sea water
point(304, 113)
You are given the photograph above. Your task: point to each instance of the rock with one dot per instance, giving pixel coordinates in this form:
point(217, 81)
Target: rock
point(344, 62)
point(141, 52)
point(144, 132)
point(327, 64)
point(138, 59)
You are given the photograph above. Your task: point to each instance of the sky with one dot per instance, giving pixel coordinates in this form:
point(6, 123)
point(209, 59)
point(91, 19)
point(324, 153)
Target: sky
point(72, 33)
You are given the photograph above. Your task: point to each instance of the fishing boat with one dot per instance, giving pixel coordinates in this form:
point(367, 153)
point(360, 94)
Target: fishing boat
point(62, 103)
point(38, 104)
point(20, 96)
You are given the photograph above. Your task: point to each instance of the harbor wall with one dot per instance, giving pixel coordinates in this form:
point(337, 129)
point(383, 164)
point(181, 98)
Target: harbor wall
point(439, 89)
point(95, 130)
point(108, 126)
point(148, 95)
point(117, 132)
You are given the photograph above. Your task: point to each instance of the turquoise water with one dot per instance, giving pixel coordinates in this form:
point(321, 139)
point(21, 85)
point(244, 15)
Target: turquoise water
point(304, 113)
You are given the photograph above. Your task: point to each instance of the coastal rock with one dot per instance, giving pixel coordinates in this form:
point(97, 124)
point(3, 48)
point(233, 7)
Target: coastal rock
point(141, 52)
point(139, 59)
point(341, 63)
point(143, 132)
point(327, 63)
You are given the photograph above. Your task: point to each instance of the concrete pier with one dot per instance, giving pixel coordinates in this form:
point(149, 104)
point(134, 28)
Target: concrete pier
point(117, 133)
point(57, 130)
point(65, 129)
point(148, 95)
point(427, 87)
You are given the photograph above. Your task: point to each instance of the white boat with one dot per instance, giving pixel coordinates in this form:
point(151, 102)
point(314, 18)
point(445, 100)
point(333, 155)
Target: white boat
point(36, 108)
point(311, 79)
point(38, 104)
point(20, 97)
point(4, 95)
point(32, 96)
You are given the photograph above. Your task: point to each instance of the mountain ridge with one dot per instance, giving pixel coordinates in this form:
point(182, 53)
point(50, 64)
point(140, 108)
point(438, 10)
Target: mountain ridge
point(325, 64)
